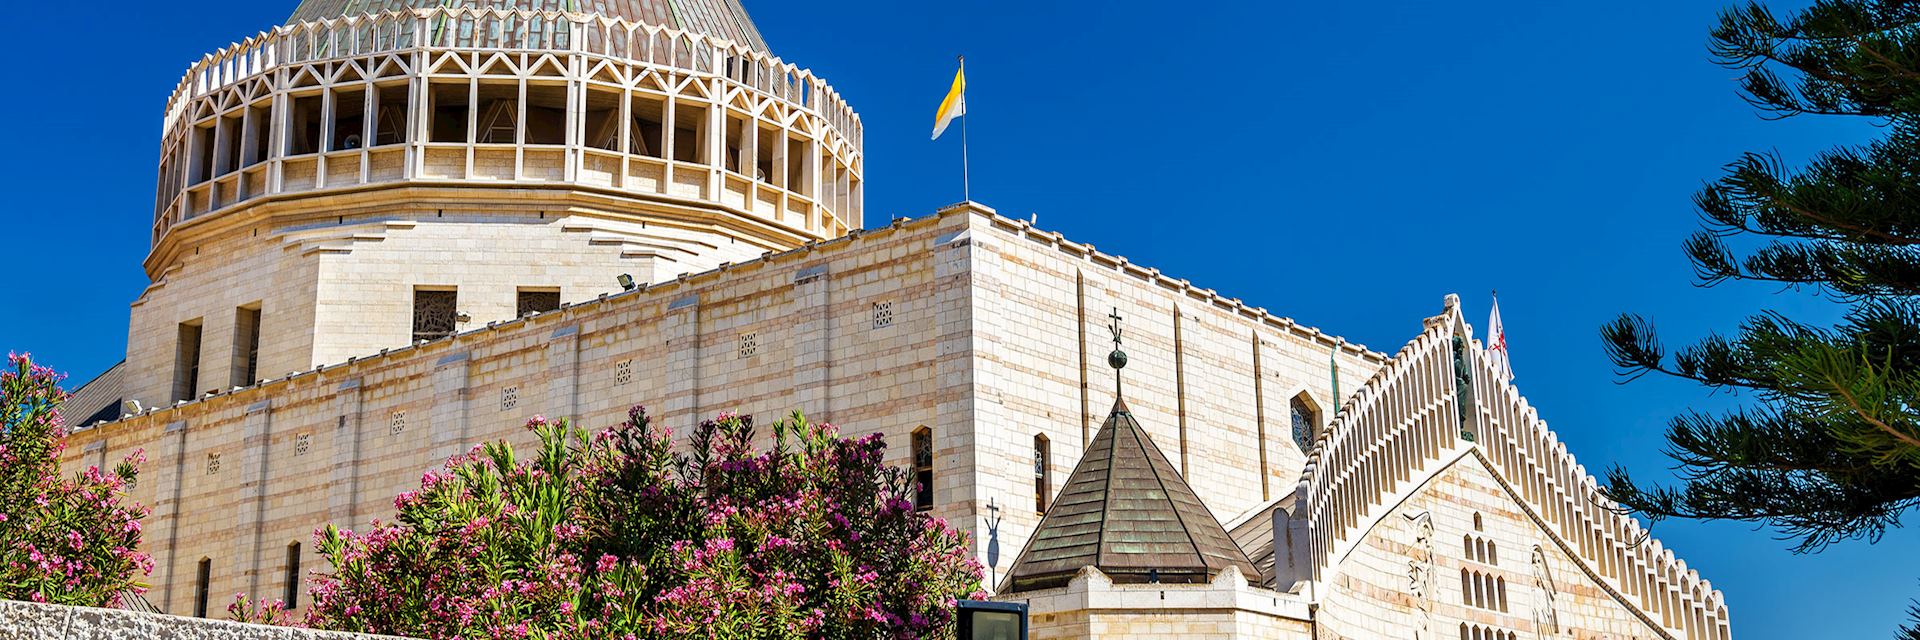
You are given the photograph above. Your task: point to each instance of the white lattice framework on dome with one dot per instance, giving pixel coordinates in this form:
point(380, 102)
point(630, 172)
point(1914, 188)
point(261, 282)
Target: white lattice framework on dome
point(1403, 428)
point(228, 136)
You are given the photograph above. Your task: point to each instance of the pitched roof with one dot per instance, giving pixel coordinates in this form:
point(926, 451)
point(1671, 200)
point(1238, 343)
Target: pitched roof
point(1127, 512)
point(98, 399)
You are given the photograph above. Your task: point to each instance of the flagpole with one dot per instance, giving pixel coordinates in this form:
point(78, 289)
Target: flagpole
point(966, 177)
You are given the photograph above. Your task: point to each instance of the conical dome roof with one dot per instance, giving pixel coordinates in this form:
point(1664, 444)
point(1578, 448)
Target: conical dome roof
point(1127, 512)
point(722, 18)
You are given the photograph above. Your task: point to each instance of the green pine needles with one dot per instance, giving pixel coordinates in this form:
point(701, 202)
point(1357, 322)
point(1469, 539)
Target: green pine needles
point(1829, 449)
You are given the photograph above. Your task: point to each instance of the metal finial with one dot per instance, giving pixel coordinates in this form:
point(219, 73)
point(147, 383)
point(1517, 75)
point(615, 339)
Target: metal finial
point(1117, 359)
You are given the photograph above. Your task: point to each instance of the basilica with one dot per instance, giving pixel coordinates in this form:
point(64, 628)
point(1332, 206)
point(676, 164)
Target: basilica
point(390, 229)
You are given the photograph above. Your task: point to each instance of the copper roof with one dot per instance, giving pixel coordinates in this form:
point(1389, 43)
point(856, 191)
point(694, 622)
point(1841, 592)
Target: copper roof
point(1127, 512)
point(723, 18)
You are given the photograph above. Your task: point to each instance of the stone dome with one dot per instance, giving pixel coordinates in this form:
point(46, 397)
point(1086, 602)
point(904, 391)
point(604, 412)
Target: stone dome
point(721, 18)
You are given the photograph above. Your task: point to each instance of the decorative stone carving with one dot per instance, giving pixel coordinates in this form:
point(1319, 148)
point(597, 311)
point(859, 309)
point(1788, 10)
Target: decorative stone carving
point(1420, 571)
point(1546, 619)
point(433, 314)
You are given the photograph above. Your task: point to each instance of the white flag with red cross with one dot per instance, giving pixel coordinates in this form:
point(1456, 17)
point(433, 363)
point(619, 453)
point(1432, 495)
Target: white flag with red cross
point(1497, 344)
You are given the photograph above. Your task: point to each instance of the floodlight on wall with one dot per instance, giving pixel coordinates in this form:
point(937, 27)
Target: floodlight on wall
point(983, 620)
point(462, 317)
point(626, 281)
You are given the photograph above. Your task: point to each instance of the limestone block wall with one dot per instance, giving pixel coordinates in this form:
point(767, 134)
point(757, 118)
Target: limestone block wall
point(27, 620)
point(238, 478)
point(950, 322)
point(335, 279)
point(1516, 579)
point(1209, 377)
point(1091, 606)
point(207, 284)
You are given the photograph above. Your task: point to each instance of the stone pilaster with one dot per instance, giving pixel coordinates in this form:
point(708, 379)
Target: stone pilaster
point(563, 374)
point(251, 504)
point(347, 439)
point(813, 342)
point(681, 327)
point(448, 417)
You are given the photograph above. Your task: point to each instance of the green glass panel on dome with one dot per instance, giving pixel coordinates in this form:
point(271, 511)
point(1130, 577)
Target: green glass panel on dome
point(722, 18)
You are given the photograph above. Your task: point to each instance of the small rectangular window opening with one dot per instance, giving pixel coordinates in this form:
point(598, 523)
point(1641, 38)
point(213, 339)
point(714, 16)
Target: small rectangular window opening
point(689, 133)
point(303, 125)
point(435, 313)
point(349, 120)
point(292, 595)
point(246, 346)
point(201, 587)
point(390, 123)
point(923, 469)
point(1042, 476)
point(186, 368)
point(531, 301)
point(451, 104)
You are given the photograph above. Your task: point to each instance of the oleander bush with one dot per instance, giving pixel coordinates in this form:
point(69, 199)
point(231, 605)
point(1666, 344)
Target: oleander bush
point(617, 535)
point(63, 540)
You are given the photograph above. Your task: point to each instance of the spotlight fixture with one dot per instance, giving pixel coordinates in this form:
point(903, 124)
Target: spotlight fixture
point(463, 317)
point(981, 620)
point(626, 281)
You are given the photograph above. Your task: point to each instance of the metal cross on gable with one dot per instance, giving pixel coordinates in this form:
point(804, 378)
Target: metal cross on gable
point(1115, 326)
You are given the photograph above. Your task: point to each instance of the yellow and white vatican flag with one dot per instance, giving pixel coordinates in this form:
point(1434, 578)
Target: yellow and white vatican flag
point(1497, 344)
point(955, 105)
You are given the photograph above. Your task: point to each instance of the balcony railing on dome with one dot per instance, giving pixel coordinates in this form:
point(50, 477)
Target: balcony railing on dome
point(1401, 429)
point(229, 128)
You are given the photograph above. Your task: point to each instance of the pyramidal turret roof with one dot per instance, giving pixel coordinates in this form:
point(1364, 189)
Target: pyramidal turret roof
point(1126, 511)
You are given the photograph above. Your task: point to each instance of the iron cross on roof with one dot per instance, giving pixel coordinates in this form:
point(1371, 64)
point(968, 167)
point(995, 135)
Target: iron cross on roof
point(1117, 359)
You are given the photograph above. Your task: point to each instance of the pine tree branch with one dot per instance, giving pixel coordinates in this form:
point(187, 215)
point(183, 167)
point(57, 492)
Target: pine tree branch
point(1809, 214)
point(1853, 404)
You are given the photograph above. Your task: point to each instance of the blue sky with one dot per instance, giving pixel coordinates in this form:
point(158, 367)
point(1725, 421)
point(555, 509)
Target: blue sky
point(1346, 164)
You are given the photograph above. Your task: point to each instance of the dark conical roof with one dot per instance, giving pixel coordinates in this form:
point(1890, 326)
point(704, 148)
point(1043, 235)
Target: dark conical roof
point(1127, 512)
point(722, 18)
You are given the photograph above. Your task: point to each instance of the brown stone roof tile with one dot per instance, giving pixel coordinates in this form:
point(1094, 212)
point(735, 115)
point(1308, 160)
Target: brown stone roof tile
point(1126, 511)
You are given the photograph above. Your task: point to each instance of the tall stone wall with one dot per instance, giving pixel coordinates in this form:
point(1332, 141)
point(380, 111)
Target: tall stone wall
point(965, 323)
point(1209, 377)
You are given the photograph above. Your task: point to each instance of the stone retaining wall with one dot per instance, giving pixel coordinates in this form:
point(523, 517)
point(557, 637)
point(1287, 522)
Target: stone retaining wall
point(30, 621)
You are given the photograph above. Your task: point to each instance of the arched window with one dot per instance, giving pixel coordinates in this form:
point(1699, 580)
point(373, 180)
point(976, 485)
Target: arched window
point(1042, 477)
point(1466, 587)
point(1500, 591)
point(1304, 422)
point(1467, 541)
point(1493, 553)
point(1464, 632)
point(923, 469)
point(292, 595)
point(1476, 521)
point(1480, 550)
